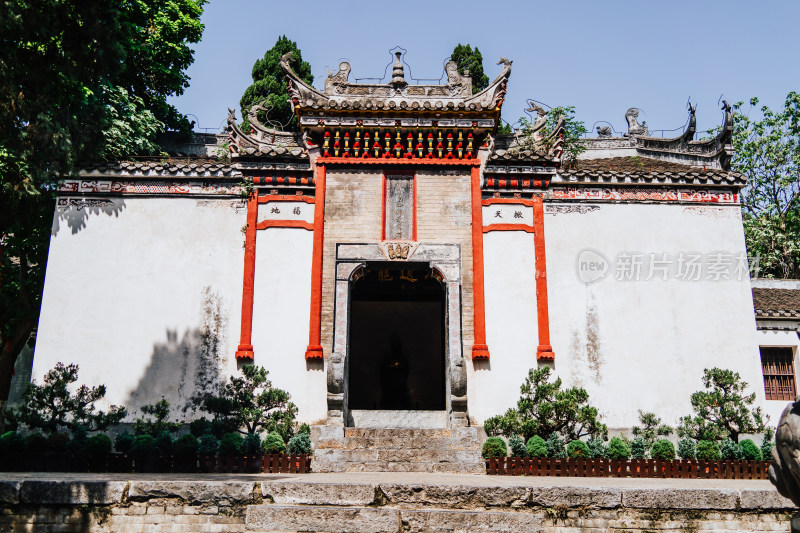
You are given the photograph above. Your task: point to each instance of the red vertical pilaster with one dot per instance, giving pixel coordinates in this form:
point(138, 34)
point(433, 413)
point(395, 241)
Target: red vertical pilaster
point(245, 348)
point(314, 350)
point(544, 351)
point(479, 348)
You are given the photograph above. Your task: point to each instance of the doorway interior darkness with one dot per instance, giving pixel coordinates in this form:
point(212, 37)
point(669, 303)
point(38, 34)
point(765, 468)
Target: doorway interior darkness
point(397, 338)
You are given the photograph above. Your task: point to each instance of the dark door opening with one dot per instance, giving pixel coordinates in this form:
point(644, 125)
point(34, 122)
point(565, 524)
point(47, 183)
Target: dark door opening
point(397, 339)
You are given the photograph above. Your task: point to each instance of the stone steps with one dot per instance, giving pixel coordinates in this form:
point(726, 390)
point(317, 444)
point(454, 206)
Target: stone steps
point(338, 449)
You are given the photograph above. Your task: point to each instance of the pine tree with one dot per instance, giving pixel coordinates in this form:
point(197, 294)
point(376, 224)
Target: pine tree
point(470, 60)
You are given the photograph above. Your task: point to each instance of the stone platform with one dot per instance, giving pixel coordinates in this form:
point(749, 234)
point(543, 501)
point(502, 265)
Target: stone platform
point(382, 502)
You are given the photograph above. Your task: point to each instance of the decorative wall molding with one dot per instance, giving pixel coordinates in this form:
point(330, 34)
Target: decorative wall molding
point(152, 187)
point(641, 194)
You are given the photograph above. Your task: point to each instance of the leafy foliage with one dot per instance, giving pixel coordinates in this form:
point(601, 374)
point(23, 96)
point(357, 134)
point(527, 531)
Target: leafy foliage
point(51, 406)
point(687, 449)
point(723, 410)
point(494, 447)
point(156, 421)
point(577, 449)
point(81, 81)
point(274, 443)
point(708, 450)
point(517, 446)
point(123, 442)
point(618, 449)
point(249, 401)
point(597, 448)
point(99, 445)
point(269, 86)
point(186, 446)
point(767, 152)
point(639, 448)
point(469, 59)
point(555, 446)
point(536, 447)
point(544, 408)
point(231, 444)
point(299, 444)
point(767, 443)
point(663, 449)
point(729, 450)
point(144, 446)
point(209, 445)
point(749, 451)
point(37, 443)
point(252, 444)
point(651, 428)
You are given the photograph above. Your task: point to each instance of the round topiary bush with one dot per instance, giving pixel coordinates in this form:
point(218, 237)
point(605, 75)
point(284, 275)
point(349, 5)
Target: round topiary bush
point(123, 442)
point(749, 451)
point(618, 449)
point(231, 444)
point(577, 449)
point(597, 449)
point(766, 446)
point(299, 444)
point(494, 447)
point(729, 451)
point(99, 445)
point(164, 443)
point(144, 446)
point(35, 443)
point(186, 446)
point(663, 449)
point(274, 443)
point(11, 442)
point(517, 446)
point(200, 427)
point(708, 450)
point(209, 445)
point(252, 445)
point(536, 447)
point(57, 442)
point(686, 449)
point(638, 448)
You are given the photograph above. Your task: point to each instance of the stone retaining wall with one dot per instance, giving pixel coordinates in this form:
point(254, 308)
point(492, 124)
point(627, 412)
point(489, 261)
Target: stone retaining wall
point(285, 503)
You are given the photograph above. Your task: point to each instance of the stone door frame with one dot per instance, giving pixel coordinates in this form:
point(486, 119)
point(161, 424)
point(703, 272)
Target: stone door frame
point(446, 259)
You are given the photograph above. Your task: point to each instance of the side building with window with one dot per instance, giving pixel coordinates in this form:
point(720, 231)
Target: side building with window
point(777, 307)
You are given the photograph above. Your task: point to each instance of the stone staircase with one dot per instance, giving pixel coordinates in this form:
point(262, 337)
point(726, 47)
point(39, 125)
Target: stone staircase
point(455, 450)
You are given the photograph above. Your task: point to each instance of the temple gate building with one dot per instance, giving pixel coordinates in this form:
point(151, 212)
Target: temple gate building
point(398, 263)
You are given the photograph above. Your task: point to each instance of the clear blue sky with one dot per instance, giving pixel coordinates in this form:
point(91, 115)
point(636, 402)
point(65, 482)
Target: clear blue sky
point(600, 56)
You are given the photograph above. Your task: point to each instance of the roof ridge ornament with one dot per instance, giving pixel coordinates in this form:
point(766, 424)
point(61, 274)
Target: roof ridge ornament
point(634, 128)
point(398, 76)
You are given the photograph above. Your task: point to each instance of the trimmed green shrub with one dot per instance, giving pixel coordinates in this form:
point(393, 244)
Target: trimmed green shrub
point(536, 447)
point(577, 449)
point(555, 447)
point(638, 448)
point(686, 449)
point(618, 449)
point(77, 445)
point(729, 451)
point(749, 451)
point(186, 446)
point(767, 444)
point(252, 444)
point(494, 447)
point(35, 443)
point(708, 450)
point(597, 449)
point(164, 442)
point(231, 444)
point(11, 442)
point(98, 445)
point(57, 442)
point(299, 444)
point(273, 443)
point(209, 445)
point(123, 441)
point(663, 449)
point(517, 446)
point(144, 446)
point(200, 427)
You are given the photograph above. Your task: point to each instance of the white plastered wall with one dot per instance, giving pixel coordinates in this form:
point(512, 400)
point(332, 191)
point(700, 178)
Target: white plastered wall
point(631, 344)
point(145, 295)
point(777, 338)
point(281, 299)
point(511, 322)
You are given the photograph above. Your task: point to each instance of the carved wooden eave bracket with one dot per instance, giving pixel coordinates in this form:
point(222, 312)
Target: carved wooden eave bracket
point(263, 141)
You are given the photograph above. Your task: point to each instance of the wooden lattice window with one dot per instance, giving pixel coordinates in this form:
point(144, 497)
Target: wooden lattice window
point(777, 365)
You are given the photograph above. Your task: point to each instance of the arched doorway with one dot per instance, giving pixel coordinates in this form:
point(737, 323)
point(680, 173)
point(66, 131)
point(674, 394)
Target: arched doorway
point(397, 338)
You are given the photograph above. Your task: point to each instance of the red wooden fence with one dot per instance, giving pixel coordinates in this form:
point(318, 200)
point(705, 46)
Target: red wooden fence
point(647, 468)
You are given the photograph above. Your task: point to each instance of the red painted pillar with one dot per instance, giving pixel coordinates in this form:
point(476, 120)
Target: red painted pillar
point(245, 349)
point(314, 350)
point(479, 348)
point(544, 351)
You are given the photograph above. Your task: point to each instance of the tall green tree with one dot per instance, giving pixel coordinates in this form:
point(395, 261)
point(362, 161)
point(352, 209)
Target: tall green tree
point(469, 59)
point(269, 86)
point(81, 81)
point(767, 152)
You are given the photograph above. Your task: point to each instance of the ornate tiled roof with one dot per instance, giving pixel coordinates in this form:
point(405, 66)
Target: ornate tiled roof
point(642, 171)
point(263, 141)
point(190, 168)
point(776, 303)
point(398, 95)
